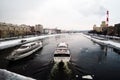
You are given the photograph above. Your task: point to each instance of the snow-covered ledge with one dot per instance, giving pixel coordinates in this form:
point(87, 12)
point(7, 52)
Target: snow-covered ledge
point(104, 42)
point(7, 75)
point(12, 43)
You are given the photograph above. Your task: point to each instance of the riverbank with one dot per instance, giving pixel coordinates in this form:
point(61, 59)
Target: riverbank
point(106, 42)
point(7, 75)
point(16, 42)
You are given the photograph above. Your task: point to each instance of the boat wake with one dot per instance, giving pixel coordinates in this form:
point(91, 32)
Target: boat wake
point(60, 71)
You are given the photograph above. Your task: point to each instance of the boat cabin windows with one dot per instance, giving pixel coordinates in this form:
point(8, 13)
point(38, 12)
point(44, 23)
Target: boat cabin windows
point(32, 44)
point(23, 47)
point(61, 55)
point(62, 46)
point(61, 50)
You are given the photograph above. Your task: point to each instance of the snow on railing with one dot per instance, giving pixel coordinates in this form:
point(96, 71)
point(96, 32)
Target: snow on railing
point(7, 75)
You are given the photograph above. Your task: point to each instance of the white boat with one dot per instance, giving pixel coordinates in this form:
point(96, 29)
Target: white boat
point(25, 50)
point(62, 53)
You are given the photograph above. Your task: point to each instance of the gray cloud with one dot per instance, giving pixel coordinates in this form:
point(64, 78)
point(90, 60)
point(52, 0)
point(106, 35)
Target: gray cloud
point(70, 13)
point(93, 9)
point(16, 9)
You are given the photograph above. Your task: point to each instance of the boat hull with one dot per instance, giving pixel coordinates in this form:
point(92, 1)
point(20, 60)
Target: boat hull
point(14, 58)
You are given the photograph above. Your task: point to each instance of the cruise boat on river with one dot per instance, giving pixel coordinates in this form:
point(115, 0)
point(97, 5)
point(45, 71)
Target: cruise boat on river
point(25, 50)
point(62, 53)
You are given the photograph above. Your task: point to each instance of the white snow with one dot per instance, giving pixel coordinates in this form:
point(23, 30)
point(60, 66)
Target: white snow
point(12, 43)
point(104, 42)
point(7, 75)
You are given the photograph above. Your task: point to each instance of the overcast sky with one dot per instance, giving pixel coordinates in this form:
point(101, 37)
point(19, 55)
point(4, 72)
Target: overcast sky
point(62, 14)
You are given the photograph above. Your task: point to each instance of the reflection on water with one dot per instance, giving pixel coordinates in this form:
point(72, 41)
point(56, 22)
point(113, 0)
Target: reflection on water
point(103, 55)
point(116, 50)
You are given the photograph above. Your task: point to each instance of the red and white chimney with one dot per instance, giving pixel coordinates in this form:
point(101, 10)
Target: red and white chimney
point(107, 19)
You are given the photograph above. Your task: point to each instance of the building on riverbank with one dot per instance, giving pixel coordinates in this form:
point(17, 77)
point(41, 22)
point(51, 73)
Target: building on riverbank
point(107, 30)
point(117, 29)
point(51, 31)
point(100, 29)
point(13, 30)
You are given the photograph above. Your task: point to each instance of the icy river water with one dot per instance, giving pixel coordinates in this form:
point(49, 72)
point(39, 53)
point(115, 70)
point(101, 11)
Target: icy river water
point(87, 57)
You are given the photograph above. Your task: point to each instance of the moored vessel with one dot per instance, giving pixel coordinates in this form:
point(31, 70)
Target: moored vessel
point(25, 50)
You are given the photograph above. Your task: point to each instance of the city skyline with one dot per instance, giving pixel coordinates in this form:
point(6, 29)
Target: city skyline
point(62, 14)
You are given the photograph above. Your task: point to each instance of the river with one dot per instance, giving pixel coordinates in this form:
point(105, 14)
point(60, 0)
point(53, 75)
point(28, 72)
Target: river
point(87, 57)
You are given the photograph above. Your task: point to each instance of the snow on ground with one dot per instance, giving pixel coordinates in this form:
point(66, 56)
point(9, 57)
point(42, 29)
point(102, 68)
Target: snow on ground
point(12, 43)
point(7, 75)
point(104, 42)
